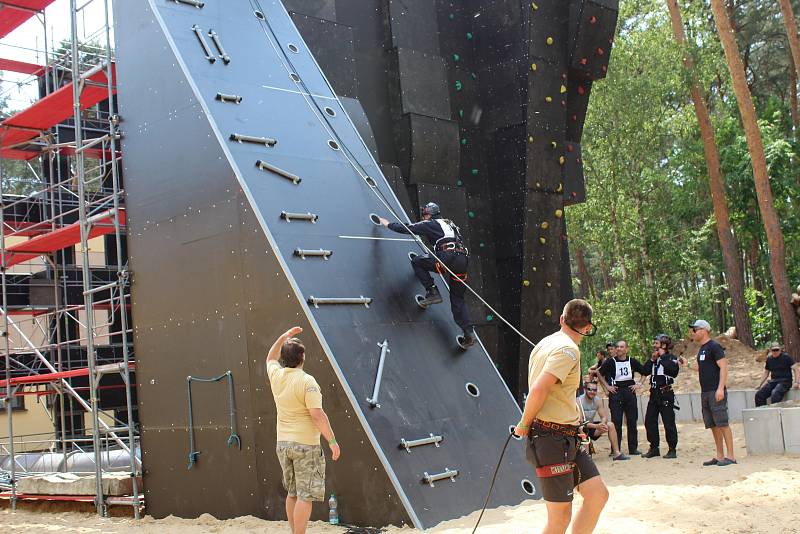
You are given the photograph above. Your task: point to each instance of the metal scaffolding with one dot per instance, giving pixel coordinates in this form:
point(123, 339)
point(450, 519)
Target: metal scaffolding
point(76, 196)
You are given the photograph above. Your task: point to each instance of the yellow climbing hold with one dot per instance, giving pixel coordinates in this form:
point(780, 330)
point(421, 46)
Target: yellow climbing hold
point(530, 139)
point(542, 240)
point(549, 284)
point(560, 188)
point(563, 89)
point(548, 99)
point(548, 312)
point(559, 213)
point(549, 40)
point(534, 269)
point(553, 144)
point(534, 6)
point(526, 283)
point(545, 225)
point(562, 160)
point(534, 67)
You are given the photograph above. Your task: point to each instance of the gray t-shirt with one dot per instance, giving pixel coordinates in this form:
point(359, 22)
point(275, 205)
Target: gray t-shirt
point(590, 407)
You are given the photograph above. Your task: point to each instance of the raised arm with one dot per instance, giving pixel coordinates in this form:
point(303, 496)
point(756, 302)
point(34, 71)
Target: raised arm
point(275, 350)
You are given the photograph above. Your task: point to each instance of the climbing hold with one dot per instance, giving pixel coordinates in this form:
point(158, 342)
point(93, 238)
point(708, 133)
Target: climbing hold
point(534, 67)
point(456, 57)
point(458, 85)
point(471, 214)
point(545, 225)
point(548, 99)
point(534, 6)
point(560, 188)
point(563, 89)
point(534, 269)
point(584, 61)
point(463, 140)
point(549, 284)
point(562, 160)
point(469, 36)
point(481, 244)
point(451, 16)
point(549, 40)
point(604, 68)
point(570, 148)
point(581, 90)
point(548, 312)
point(526, 283)
point(530, 139)
point(461, 113)
point(538, 184)
point(563, 103)
point(459, 183)
point(473, 75)
point(542, 240)
point(489, 317)
point(574, 117)
point(553, 144)
point(474, 172)
point(593, 20)
point(559, 214)
point(600, 51)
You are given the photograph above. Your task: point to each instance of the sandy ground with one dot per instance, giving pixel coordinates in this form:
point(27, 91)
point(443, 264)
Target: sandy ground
point(761, 494)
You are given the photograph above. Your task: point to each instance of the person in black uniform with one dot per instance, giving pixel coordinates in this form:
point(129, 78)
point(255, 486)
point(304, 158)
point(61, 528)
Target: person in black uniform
point(662, 369)
point(445, 238)
point(616, 375)
point(778, 368)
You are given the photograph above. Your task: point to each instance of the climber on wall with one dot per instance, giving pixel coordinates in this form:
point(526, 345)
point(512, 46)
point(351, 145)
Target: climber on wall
point(445, 238)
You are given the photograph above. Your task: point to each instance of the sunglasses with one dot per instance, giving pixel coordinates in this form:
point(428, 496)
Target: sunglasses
point(694, 330)
point(775, 350)
point(591, 390)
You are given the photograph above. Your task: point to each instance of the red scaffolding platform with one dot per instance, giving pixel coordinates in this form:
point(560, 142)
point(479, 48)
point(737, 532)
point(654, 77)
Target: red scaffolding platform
point(50, 111)
point(64, 237)
point(46, 378)
point(21, 66)
point(13, 13)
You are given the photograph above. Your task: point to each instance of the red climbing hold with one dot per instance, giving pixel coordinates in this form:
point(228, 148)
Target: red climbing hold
point(581, 90)
point(574, 118)
point(593, 20)
point(604, 68)
point(563, 103)
point(570, 148)
point(600, 51)
point(584, 61)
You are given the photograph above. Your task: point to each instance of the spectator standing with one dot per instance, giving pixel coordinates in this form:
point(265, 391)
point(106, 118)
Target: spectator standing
point(617, 377)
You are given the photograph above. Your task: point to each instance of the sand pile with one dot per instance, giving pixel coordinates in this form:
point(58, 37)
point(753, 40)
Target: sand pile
point(745, 365)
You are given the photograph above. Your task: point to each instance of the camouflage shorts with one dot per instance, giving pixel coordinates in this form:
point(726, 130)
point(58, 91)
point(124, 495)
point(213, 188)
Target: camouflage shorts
point(303, 470)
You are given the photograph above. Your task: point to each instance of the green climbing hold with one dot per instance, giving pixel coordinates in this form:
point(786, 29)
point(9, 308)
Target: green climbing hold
point(459, 183)
point(461, 113)
point(458, 85)
point(456, 57)
point(469, 36)
point(463, 140)
point(471, 214)
point(474, 172)
point(451, 16)
point(482, 244)
point(489, 317)
point(473, 75)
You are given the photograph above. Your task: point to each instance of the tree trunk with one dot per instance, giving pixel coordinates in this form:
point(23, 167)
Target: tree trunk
point(587, 285)
point(793, 95)
point(791, 33)
point(716, 182)
point(777, 257)
point(618, 243)
point(607, 283)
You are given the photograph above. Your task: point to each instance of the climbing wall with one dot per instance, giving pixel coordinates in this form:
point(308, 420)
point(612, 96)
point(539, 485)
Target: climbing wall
point(249, 187)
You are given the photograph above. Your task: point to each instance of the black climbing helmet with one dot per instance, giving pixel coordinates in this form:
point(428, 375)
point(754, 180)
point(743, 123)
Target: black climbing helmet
point(431, 209)
point(665, 340)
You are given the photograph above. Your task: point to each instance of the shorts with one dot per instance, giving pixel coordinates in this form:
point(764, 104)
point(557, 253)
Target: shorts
point(593, 434)
point(548, 448)
point(303, 469)
point(715, 414)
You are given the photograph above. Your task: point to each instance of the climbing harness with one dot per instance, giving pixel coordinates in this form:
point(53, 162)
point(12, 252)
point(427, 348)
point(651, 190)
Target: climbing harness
point(233, 439)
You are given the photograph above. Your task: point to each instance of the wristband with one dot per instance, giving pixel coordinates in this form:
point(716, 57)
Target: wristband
point(332, 441)
point(523, 426)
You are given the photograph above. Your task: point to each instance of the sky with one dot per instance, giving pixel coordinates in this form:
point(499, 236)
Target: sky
point(27, 43)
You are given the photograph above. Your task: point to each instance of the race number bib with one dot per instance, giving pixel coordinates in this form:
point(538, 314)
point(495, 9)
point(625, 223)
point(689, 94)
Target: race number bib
point(624, 371)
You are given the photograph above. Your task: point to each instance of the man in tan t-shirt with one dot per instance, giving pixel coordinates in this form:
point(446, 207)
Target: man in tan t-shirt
point(301, 420)
point(551, 420)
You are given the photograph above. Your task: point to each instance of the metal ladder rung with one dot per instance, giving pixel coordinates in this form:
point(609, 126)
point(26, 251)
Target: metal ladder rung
point(318, 301)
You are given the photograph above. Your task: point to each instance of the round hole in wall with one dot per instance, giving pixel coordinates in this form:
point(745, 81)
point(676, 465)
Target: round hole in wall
point(333, 144)
point(259, 15)
point(412, 255)
point(370, 181)
point(511, 431)
point(294, 77)
point(472, 389)
point(330, 111)
point(528, 487)
point(293, 48)
point(375, 219)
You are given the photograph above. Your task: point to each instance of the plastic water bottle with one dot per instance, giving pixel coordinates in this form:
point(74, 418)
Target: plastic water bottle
point(333, 513)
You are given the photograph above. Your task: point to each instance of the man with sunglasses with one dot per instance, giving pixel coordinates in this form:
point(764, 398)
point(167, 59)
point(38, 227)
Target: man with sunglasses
point(592, 409)
point(712, 367)
point(551, 419)
point(617, 377)
point(662, 369)
point(778, 368)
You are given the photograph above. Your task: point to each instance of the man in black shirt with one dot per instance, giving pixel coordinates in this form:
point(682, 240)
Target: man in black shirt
point(445, 238)
point(779, 365)
point(616, 375)
point(662, 368)
point(713, 369)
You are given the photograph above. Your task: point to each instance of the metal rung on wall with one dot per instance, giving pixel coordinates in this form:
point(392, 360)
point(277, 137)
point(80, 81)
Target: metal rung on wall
point(318, 301)
point(206, 50)
point(447, 473)
point(264, 166)
point(288, 217)
point(235, 99)
point(320, 253)
point(410, 444)
point(222, 54)
point(253, 139)
point(194, 3)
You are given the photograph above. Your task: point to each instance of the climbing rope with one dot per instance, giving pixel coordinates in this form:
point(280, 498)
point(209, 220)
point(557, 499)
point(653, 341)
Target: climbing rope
point(494, 477)
point(328, 127)
point(233, 439)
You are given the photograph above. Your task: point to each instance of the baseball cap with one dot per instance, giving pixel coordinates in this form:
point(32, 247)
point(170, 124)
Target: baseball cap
point(775, 346)
point(700, 323)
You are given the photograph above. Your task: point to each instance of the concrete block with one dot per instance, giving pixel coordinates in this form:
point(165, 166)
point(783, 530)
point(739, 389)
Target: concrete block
point(762, 431)
point(684, 415)
point(790, 421)
point(116, 484)
point(697, 407)
point(737, 401)
point(792, 395)
point(750, 397)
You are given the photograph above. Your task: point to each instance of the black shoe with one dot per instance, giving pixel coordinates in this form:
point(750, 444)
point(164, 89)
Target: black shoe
point(636, 452)
point(671, 454)
point(652, 453)
point(469, 338)
point(432, 296)
point(619, 457)
point(726, 461)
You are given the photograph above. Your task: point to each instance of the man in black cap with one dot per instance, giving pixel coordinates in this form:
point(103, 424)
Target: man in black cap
point(616, 375)
point(779, 366)
point(445, 240)
point(662, 368)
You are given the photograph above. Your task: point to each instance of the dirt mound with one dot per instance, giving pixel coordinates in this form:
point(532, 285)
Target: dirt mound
point(745, 365)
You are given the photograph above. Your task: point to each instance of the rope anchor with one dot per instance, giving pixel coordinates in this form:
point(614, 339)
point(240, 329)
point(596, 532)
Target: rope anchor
point(233, 439)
